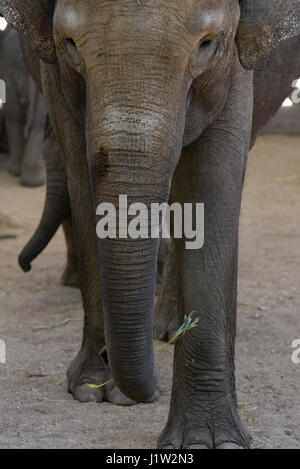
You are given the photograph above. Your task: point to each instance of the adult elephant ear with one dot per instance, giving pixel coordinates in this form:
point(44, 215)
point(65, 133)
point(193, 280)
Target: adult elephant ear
point(264, 24)
point(34, 19)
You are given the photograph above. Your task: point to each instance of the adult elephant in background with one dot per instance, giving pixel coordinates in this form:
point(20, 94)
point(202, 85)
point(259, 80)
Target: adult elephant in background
point(24, 112)
point(155, 100)
point(3, 137)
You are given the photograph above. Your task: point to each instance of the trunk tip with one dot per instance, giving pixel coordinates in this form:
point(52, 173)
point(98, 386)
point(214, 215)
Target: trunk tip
point(24, 263)
point(142, 391)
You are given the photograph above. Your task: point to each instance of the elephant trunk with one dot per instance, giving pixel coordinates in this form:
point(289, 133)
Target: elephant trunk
point(56, 208)
point(134, 134)
point(128, 274)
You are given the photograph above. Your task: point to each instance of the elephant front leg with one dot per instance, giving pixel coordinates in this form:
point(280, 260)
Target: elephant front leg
point(70, 276)
point(203, 412)
point(89, 369)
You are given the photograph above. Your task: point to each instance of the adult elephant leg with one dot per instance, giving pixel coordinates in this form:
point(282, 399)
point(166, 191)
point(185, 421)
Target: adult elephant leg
point(17, 142)
point(203, 412)
point(33, 167)
point(70, 277)
point(16, 103)
point(87, 367)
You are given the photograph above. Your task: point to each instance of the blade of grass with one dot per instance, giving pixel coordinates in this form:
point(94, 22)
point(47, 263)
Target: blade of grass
point(187, 325)
point(7, 235)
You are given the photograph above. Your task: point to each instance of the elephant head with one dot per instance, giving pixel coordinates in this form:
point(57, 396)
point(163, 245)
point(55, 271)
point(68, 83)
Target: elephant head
point(263, 25)
point(140, 63)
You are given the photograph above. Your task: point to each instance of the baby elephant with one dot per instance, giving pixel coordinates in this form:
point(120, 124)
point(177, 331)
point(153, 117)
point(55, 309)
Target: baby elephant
point(160, 101)
point(24, 112)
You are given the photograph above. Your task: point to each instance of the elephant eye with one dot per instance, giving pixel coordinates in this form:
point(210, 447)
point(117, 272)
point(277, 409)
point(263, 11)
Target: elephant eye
point(73, 52)
point(205, 43)
point(71, 47)
point(71, 43)
point(203, 55)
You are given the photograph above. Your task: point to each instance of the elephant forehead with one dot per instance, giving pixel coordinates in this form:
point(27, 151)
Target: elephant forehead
point(196, 15)
point(210, 14)
point(71, 15)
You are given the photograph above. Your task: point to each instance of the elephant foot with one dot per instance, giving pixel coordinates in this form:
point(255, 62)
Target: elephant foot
point(85, 393)
point(206, 425)
point(86, 373)
point(15, 167)
point(33, 176)
point(70, 276)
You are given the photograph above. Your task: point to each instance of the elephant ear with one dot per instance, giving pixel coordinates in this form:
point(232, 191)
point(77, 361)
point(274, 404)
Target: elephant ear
point(264, 24)
point(33, 18)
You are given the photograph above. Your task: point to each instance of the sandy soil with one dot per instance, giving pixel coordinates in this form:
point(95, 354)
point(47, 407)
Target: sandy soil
point(36, 411)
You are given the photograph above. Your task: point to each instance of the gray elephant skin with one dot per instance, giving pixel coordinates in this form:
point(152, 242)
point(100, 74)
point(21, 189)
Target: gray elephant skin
point(160, 100)
point(24, 112)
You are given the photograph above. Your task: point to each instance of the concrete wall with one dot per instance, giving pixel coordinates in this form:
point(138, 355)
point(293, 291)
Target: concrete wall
point(286, 121)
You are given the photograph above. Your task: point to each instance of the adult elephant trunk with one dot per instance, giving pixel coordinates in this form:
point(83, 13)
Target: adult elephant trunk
point(56, 208)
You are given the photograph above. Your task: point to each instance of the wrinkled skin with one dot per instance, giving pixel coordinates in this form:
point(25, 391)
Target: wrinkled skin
point(24, 113)
point(152, 99)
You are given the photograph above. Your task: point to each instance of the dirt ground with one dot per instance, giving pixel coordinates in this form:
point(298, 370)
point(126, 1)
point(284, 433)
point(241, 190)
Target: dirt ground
point(35, 409)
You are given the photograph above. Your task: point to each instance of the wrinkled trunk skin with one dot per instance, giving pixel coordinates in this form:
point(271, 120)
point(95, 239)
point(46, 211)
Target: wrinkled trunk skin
point(134, 137)
point(129, 273)
point(56, 209)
